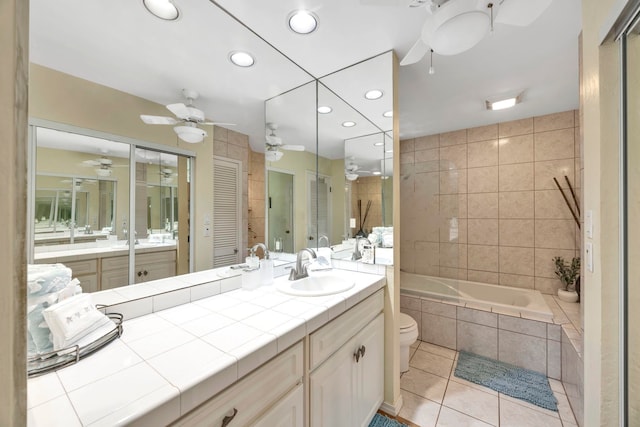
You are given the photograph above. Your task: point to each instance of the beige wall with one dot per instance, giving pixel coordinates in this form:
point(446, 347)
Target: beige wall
point(480, 204)
point(14, 51)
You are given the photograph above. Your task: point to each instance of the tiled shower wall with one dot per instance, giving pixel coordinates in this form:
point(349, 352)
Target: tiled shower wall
point(256, 198)
point(365, 189)
point(480, 204)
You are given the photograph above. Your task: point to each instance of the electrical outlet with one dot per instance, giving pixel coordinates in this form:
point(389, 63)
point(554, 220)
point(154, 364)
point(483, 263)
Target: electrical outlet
point(207, 231)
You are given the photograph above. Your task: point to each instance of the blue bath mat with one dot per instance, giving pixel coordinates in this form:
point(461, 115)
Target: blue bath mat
point(382, 421)
point(511, 380)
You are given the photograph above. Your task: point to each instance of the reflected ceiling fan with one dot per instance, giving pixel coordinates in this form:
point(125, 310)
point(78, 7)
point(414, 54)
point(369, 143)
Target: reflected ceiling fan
point(274, 144)
point(103, 165)
point(352, 171)
point(187, 119)
point(455, 26)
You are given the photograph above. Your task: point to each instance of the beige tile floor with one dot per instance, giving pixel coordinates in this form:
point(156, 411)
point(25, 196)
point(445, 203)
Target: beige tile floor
point(434, 397)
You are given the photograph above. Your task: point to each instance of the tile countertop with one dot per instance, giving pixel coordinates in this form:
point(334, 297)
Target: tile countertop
point(171, 360)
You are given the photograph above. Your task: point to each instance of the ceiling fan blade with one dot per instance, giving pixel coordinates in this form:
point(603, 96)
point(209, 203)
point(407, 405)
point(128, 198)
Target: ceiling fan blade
point(415, 54)
point(293, 147)
point(217, 124)
point(158, 120)
point(521, 12)
point(180, 110)
point(274, 140)
point(90, 163)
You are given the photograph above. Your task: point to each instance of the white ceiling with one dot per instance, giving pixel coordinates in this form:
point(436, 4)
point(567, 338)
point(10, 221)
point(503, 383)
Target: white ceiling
point(120, 45)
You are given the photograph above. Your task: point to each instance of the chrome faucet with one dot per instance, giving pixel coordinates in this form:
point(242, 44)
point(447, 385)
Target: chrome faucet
point(321, 238)
point(356, 255)
point(265, 251)
point(300, 271)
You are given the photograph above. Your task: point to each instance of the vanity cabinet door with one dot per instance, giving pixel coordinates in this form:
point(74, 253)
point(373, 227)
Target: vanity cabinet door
point(288, 412)
point(370, 372)
point(155, 265)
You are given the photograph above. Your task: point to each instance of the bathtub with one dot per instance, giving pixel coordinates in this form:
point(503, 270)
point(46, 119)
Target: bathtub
point(501, 299)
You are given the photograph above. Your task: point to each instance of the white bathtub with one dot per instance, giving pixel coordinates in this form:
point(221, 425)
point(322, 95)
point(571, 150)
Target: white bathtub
point(502, 299)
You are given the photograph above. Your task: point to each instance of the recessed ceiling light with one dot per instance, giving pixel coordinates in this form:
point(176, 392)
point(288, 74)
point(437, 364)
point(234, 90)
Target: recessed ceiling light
point(373, 94)
point(324, 109)
point(241, 59)
point(378, 144)
point(387, 114)
point(302, 22)
point(376, 173)
point(390, 150)
point(502, 103)
point(348, 124)
point(163, 9)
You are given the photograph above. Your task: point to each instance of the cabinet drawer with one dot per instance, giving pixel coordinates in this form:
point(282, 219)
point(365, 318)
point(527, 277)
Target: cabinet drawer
point(78, 268)
point(88, 282)
point(288, 412)
point(115, 263)
point(156, 257)
point(326, 340)
point(252, 395)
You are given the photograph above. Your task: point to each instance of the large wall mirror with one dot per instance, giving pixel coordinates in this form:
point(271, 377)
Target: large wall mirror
point(89, 214)
point(333, 158)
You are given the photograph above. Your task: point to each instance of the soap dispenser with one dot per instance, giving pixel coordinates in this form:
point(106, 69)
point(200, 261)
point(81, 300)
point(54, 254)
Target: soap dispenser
point(266, 269)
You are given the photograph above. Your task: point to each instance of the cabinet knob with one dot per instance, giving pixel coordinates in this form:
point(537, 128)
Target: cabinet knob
point(145, 272)
point(356, 355)
point(226, 420)
point(362, 349)
point(139, 273)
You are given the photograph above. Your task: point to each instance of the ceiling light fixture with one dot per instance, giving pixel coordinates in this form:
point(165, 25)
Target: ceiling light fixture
point(163, 9)
point(432, 70)
point(378, 144)
point(302, 22)
point(348, 124)
point(190, 134)
point(390, 150)
point(387, 114)
point(373, 94)
point(324, 109)
point(457, 27)
point(273, 155)
point(241, 59)
point(502, 103)
point(351, 176)
point(376, 173)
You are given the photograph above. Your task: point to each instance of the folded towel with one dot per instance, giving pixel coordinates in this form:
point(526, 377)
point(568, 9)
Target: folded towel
point(72, 319)
point(323, 260)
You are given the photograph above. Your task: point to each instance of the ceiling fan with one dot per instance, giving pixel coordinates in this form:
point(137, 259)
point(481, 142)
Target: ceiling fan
point(103, 165)
point(352, 171)
point(454, 26)
point(187, 119)
point(274, 144)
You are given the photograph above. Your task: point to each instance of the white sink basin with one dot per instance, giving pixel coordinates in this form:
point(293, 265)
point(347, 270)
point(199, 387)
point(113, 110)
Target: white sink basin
point(315, 286)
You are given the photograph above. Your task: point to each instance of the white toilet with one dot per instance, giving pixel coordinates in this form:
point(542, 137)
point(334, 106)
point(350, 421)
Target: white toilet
point(408, 335)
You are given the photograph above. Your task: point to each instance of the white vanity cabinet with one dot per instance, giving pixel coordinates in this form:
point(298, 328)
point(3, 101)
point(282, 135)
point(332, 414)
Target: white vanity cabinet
point(272, 395)
point(347, 387)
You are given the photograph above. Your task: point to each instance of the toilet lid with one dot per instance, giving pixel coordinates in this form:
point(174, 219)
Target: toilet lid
point(406, 321)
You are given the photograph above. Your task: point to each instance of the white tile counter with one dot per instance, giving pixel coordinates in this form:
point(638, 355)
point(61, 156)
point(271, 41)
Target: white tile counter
point(170, 360)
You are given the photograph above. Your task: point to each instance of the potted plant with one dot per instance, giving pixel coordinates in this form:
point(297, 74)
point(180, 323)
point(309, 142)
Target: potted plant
point(568, 274)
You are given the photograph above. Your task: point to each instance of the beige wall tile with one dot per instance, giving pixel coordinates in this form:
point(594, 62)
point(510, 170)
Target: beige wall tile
point(517, 281)
point(237, 138)
point(523, 350)
point(407, 157)
point(518, 177)
point(483, 180)
point(422, 156)
point(555, 144)
point(483, 153)
point(219, 148)
point(483, 277)
point(516, 260)
point(425, 227)
point(407, 256)
point(483, 205)
point(428, 142)
point(453, 182)
point(439, 330)
point(546, 171)
point(453, 255)
point(547, 286)
point(550, 204)
point(478, 339)
point(426, 184)
point(516, 204)
point(453, 157)
point(453, 230)
point(482, 133)
point(483, 258)
point(422, 167)
point(427, 253)
point(453, 206)
point(220, 134)
point(578, 141)
point(407, 145)
point(482, 232)
point(517, 232)
point(544, 265)
point(516, 127)
point(555, 233)
point(453, 138)
point(516, 149)
point(563, 120)
point(453, 273)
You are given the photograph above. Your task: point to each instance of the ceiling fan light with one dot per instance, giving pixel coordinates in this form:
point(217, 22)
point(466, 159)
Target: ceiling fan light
point(163, 9)
point(460, 32)
point(190, 134)
point(503, 103)
point(351, 176)
point(273, 155)
point(302, 22)
point(241, 59)
point(103, 172)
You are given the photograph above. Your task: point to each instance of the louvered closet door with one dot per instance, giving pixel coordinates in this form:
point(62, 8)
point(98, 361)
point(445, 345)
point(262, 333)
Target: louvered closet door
point(227, 214)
